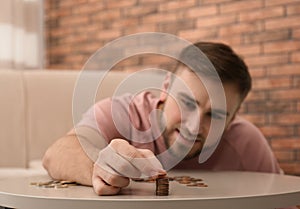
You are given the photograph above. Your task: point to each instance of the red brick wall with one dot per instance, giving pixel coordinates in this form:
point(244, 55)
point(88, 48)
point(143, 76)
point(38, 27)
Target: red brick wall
point(265, 32)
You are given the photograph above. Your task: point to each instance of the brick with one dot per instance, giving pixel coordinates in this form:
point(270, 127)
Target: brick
point(267, 60)
point(47, 4)
point(113, 4)
point(128, 23)
point(57, 32)
point(285, 143)
point(286, 94)
point(295, 57)
point(270, 106)
point(261, 14)
point(214, 1)
point(176, 26)
point(56, 60)
point(293, 9)
point(139, 10)
point(159, 18)
point(140, 29)
point(256, 95)
point(175, 5)
point(243, 109)
point(238, 6)
point(280, 2)
point(79, 58)
point(296, 33)
point(266, 36)
point(66, 3)
point(59, 13)
point(83, 9)
point(256, 119)
point(231, 40)
point(296, 81)
point(245, 50)
point(291, 119)
point(277, 131)
point(109, 34)
point(281, 46)
point(201, 11)
point(197, 34)
point(257, 72)
point(93, 28)
point(285, 155)
point(298, 155)
point(60, 50)
point(241, 28)
point(74, 20)
point(88, 48)
point(279, 23)
point(272, 83)
point(106, 15)
point(215, 21)
point(150, 1)
point(289, 69)
point(89, 8)
point(76, 38)
point(292, 168)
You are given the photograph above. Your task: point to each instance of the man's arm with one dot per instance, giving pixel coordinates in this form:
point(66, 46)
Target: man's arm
point(67, 160)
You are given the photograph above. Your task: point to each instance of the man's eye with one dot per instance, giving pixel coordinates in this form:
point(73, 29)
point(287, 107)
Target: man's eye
point(190, 105)
point(215, 115)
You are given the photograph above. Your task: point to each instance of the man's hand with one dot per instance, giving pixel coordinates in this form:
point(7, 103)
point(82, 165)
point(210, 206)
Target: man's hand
point(119, 162)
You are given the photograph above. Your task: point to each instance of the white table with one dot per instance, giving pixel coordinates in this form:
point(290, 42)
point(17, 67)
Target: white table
point(234, 190)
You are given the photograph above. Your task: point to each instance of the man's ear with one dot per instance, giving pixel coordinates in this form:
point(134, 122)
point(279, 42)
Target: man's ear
point(165, 87)
point(229, 123)
point(233, 118)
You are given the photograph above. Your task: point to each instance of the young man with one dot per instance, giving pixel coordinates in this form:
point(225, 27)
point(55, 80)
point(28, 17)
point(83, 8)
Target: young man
point(142, 135)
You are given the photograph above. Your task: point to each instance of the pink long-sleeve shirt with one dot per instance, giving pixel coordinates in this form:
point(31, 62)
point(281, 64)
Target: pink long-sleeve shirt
point(242, 146)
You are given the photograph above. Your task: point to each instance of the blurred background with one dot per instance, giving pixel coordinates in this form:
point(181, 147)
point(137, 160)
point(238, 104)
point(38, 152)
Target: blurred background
point(63, 34)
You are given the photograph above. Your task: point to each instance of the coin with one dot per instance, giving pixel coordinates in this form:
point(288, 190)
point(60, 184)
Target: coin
point(54, 184)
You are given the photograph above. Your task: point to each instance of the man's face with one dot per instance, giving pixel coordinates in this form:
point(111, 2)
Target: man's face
point(188, 114)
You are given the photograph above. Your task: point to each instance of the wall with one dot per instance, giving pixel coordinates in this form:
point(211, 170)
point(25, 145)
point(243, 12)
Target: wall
point(265, 32)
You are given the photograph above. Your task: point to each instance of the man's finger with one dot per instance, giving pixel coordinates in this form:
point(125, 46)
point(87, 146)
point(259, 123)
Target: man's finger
point(143, 160)
point(101, 188)
point(115, 164)
point(110, 177)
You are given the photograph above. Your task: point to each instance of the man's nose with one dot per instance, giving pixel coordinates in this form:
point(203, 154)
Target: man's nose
point(194, 124)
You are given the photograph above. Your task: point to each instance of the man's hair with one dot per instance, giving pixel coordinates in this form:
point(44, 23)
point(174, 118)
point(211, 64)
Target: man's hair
point(228, 65)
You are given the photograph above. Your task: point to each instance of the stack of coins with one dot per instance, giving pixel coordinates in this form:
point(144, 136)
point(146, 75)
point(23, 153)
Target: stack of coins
point(162, 186)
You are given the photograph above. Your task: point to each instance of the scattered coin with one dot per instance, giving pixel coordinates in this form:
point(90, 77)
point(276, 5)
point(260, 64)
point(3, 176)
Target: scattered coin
point(54, 184)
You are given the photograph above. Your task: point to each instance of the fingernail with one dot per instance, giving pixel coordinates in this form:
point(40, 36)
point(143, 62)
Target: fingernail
point(157, 173)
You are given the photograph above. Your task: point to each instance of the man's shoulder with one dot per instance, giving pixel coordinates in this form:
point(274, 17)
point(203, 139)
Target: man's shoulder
point(243, 132)
point(242, 125)
point(144, 98)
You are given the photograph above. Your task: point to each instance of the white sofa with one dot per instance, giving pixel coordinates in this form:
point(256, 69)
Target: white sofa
point(36, 108)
